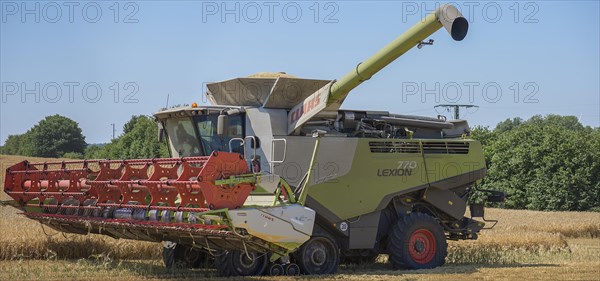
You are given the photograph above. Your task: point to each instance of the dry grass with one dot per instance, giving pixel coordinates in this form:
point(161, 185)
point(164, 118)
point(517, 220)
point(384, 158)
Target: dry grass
point(527, 245)
point(508, 249)
point(525, 236)
point(27, 239)
point(106, 269)
point(568, 224)
point(23, 238)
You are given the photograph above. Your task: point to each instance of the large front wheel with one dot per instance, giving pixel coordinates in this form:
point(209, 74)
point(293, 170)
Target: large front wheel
point(417, 241)
point(240, 263)
point(319, 255)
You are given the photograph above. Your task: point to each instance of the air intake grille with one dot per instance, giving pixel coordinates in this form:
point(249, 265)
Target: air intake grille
point(445, 147)
point(413, 147)
point(394, 147)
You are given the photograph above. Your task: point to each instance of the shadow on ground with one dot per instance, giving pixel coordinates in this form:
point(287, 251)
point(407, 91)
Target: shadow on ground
point(382, 269)
point(154, 269)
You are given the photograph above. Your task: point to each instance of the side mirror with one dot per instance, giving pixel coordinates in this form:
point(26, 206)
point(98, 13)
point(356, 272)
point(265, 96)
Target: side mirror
point(161, 132)
point(222, 125)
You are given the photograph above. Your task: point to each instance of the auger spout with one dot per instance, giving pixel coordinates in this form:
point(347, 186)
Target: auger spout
point(446, 16)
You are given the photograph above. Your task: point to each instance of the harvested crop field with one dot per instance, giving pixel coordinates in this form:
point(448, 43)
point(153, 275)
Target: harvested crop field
point(527, 245)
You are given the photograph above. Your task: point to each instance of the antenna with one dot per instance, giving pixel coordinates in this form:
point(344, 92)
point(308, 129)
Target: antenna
point(167, 105)
point(456, 108)
point(113, 130)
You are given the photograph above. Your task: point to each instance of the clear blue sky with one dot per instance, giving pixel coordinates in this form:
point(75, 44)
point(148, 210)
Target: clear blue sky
point(550, 49)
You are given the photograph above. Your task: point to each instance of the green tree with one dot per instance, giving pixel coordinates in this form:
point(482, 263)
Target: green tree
point(139, 140)
point(73, 155)
point(12, 145)
point(54, 136)
point(93, 152)
point(546, 163)
point(130, 125)
point(508, 124)
point(486, 137)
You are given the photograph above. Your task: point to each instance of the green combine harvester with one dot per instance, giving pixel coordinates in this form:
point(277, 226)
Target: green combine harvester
point(275, 179)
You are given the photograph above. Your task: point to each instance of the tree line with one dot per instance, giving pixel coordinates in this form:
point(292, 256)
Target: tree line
point(60, 137)
point(543, 163)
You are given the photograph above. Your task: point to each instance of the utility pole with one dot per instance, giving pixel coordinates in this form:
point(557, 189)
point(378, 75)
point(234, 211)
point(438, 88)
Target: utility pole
point(113, 130)
point(456, 108)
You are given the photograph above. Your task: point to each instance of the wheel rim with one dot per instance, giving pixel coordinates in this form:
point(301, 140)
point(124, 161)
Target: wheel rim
point(292, 269)
point(248, 264)
point(319, 256)
point(276, 270)
point(422, 246)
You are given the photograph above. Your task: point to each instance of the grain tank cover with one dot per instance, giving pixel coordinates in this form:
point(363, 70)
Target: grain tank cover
point(279, 92)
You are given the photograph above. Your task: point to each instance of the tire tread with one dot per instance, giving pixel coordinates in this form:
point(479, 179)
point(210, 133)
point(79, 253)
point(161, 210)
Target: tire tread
point(400, 234)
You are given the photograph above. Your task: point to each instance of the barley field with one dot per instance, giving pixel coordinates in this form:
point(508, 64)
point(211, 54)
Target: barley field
point(525, 245)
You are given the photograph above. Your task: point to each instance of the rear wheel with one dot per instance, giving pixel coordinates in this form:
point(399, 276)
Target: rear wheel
point(417, 241)
point(319, 255)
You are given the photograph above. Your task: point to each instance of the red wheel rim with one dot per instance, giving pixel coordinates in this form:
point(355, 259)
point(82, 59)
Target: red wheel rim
point(421, 246)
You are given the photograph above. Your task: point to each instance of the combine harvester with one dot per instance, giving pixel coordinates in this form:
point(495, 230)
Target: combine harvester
point(275, 179)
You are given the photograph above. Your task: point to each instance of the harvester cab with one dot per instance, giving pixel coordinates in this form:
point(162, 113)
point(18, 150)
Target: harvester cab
point(274, 178)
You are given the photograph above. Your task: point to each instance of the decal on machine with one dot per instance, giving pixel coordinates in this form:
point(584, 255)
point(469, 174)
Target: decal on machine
point(308, 108)
point(404, 168)
point(267, 217)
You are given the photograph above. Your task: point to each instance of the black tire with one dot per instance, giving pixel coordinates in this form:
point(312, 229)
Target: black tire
point(237, 263)
point(222, 263)
point(191, 257)
point(184, 256)
point(292, 269)
point(387, 220)
point(319, 255)
point(276, 270)
point(168, 256)
point(417, 241)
